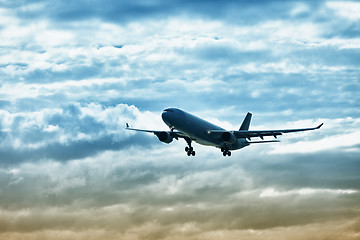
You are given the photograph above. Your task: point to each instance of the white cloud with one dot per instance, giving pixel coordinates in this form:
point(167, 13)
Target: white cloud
point(299, 8)
point(271, 192)
point(346, 9)
point(335, 134)
point(44, 133)
point(328, 143)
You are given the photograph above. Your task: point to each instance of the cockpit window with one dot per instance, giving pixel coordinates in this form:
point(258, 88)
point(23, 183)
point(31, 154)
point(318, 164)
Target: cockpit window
point(168, 110)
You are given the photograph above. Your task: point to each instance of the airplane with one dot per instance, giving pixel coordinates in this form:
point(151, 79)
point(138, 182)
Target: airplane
point(192, 128)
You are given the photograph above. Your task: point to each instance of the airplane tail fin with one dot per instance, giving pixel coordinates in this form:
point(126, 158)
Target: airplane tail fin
point(246, 123)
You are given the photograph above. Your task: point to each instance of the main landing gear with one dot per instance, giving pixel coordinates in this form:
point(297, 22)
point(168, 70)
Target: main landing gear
point(189, 150)
point(225, 151)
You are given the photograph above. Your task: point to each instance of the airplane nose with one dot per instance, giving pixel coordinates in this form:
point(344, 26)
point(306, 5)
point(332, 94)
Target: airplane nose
point(165, 116)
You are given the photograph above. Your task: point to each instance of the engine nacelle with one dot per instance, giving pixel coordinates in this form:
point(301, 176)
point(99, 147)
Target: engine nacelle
point(228, 137)
point(165, 137)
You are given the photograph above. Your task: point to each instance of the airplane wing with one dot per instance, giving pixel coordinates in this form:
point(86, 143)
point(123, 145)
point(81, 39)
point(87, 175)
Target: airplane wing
point(249, 134)
point(261, 133)
point(264, 141)
point(175, 134)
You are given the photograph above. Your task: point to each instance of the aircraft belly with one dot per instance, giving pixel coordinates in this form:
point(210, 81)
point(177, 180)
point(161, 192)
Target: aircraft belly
point(202, 138)
point(240, 143)
point(199, 135)
point(207, 141)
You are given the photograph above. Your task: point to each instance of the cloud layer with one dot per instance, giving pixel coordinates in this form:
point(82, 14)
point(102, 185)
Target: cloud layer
point(73, 73)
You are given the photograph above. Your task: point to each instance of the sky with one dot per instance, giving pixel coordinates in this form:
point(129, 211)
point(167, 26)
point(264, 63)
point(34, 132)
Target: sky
point(72, 73)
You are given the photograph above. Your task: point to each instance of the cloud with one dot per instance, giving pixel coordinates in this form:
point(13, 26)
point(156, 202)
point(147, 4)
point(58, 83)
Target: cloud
point(72, 132)
point(73, 73)
point(139, 10)
point(158, 197)
point(222, 52)
point(346, 10)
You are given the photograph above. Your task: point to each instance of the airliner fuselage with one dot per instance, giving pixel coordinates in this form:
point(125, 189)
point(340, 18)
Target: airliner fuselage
point(198, 129)
point(192, 128)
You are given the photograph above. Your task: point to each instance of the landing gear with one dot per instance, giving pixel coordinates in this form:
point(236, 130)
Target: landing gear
point(225, 151)
point(191, 153)
point(189, 150)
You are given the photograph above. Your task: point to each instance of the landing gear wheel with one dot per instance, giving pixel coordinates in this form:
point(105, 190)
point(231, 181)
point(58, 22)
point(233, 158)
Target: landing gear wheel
point(191, 153)
point(225, 151)
point(189, 149)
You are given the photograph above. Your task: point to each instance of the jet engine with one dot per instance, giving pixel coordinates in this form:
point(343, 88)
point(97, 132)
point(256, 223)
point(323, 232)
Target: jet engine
point(165, 137)
point(228, 137)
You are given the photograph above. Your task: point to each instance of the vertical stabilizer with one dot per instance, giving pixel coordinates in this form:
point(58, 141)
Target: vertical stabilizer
point(246, 123)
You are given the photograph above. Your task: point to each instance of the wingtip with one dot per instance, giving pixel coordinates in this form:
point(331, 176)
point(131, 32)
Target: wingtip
point(319, 126)
point(127, 125)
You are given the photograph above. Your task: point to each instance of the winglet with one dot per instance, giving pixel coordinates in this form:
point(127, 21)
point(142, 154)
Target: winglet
point(319, 126)
point(127, 125)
